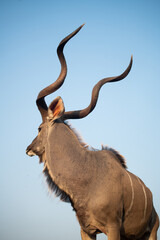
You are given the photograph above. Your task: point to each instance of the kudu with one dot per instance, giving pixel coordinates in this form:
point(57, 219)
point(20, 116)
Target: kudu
point(105, 196)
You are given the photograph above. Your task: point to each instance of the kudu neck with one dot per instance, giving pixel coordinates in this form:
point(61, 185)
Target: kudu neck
point(68, 160)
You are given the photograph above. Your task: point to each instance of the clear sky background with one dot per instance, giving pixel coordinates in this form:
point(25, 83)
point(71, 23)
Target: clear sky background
point(127, 116)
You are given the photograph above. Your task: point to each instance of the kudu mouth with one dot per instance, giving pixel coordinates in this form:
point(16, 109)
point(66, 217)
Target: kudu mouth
point(41, 155)
point(29, 152)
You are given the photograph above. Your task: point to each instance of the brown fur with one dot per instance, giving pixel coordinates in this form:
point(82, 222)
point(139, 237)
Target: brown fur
point(52, 185)
point(119, 157)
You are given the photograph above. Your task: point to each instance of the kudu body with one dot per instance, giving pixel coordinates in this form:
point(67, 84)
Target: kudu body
point(106, 197)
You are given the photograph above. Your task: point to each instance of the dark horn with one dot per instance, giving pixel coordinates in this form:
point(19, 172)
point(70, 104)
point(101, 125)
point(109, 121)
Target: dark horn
point(41, 104)
point(95, 92)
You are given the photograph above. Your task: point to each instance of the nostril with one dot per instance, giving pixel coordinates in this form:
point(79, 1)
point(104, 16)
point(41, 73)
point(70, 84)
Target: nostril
point(30, 152)
point(28, 149)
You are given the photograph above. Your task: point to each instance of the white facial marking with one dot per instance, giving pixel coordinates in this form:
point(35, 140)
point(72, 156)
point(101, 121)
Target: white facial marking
point(31, 153)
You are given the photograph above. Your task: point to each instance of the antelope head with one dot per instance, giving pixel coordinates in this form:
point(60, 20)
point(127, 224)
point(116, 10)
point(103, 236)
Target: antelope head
point(56, 110)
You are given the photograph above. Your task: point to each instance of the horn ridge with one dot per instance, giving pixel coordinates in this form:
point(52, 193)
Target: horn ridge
point(95, 93)
point(41, 104)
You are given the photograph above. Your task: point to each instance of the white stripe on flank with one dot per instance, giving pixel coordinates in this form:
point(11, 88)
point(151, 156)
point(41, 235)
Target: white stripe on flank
point(145, 198)
point(131, 204)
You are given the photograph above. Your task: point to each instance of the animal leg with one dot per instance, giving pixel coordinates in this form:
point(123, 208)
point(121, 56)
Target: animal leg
point(153, 235)
point(85, 236)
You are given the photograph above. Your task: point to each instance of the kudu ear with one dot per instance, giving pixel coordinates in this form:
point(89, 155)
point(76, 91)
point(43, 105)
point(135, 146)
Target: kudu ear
point(56, 109)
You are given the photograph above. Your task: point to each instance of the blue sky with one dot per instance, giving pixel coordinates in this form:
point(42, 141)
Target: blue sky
point(127, 115)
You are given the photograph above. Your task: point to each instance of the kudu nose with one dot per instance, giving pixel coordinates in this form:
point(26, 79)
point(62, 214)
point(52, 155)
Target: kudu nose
point(29, 151)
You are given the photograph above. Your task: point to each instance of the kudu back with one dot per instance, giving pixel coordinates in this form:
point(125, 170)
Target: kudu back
point(106, 197)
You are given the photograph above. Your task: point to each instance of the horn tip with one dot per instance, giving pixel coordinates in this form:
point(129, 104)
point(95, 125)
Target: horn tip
point(83, 25)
